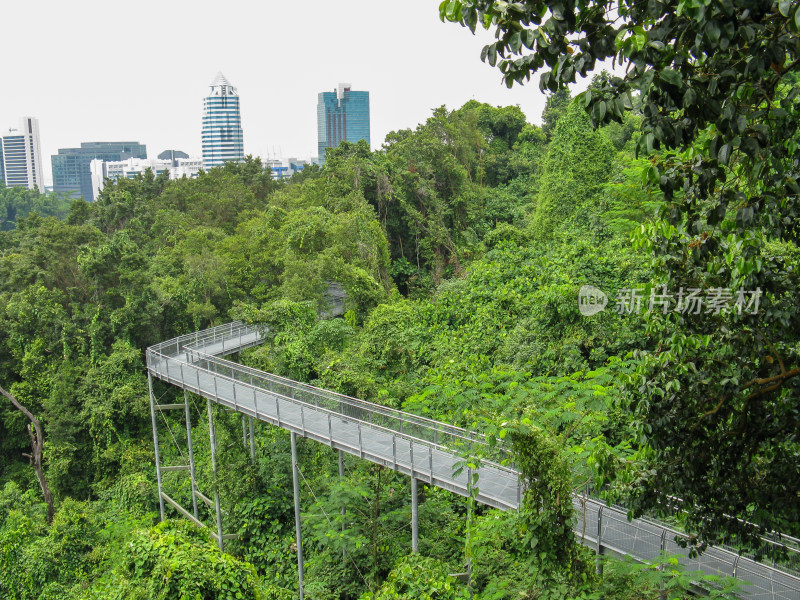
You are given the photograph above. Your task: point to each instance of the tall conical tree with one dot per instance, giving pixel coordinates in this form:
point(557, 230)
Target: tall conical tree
point(577, 165)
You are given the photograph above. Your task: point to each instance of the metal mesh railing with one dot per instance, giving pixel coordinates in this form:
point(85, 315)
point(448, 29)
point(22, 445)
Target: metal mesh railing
point(605, 527)
point(203, 347)
point(256, 394)
point(228, 338)
point(430, 450)
point(403, 423)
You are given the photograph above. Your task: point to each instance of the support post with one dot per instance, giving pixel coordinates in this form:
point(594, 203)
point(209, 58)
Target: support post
point(344, 511)
point(470, 508)
point(599, 559)
point(244, 429)
point(155, 443)
point(298, 530)
point(212, 434)
point(414, 516)
point(252, 440)
point(662, 592)
point(736, 565)
point(192, 473)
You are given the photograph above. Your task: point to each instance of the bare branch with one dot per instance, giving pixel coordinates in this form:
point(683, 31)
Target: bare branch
point(37, 444)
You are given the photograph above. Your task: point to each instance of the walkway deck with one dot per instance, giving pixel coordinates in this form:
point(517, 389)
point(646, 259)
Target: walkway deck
point(428, 450)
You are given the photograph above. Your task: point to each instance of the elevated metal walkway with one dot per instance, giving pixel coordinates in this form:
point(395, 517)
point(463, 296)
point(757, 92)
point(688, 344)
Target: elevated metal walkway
point(424, 449)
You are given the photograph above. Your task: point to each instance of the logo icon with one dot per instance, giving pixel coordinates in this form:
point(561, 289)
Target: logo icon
point(591, 300)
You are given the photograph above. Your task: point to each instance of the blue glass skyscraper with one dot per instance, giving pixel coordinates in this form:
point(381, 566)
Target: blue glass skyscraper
point(222, 126)
point(341, 115)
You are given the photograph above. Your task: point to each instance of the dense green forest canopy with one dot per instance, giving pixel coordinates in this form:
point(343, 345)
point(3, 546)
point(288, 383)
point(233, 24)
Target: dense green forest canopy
point(461, 246)
point(716, 86)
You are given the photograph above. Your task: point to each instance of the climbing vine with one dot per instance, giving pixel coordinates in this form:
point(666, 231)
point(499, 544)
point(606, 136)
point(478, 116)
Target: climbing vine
point(546, 514)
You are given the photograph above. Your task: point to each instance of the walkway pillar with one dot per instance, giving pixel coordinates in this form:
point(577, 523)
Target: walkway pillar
point(192, 473)
point(155, 442)
point(298, 530)
point(344, 511)
point(470, 509)
point(252, 440)
point(414, 516)
point(212, 434)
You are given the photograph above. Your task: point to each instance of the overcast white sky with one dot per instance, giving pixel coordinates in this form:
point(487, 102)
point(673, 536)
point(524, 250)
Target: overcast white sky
point(94, 70)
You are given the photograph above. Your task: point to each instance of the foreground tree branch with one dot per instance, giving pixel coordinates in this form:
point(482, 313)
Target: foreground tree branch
point(37, 444)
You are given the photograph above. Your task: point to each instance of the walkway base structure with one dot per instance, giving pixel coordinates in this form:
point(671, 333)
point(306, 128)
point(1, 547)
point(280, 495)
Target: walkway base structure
point(154, 419)
point(344, 510)
point(297, 526)
point(192, 469)
point(160, 410)
point(414, 516)
point(430, 451)
point(212, 434)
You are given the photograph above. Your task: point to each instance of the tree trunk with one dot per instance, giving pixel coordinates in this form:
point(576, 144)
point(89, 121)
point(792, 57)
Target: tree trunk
point(37, 444)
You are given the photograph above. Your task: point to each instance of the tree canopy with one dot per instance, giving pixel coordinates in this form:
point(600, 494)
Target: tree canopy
point(715, 82)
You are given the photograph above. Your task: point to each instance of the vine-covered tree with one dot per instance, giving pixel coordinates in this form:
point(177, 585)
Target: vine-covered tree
point(577, 165)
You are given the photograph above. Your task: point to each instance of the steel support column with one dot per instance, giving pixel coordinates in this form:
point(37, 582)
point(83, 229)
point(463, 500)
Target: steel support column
point(298, 529)
point(192, 473)
point(599, 559)
point(252, 440)
point(470, 509)
point(414, 516)
point(155, 443)
point(662, 592)
point(212, 434)
point(344, 511)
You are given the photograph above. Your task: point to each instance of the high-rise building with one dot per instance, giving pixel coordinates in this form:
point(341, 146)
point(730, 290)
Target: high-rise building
point(21, 157)
point(71, 166)
point(223, 140)
point(341, 115)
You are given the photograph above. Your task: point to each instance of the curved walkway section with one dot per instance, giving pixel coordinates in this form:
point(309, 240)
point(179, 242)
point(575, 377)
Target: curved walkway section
point(428, 450)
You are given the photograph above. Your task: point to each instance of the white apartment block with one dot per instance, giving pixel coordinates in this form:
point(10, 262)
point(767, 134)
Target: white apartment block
point(133, 167)
point(21, 156)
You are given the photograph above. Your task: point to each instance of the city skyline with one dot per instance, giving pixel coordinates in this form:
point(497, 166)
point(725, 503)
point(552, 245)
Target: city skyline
point(407, 58)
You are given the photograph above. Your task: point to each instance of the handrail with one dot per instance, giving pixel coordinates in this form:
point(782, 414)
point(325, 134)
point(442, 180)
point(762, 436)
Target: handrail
point(197, 336)
point(237, 326)
point(435, 429)
point(189, 351)
point(466, 434)
point(782, 542)
point(678, 533)
point(324, 410)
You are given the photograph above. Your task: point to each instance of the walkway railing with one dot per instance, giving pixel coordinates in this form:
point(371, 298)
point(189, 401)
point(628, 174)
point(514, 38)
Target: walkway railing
point(428, 450)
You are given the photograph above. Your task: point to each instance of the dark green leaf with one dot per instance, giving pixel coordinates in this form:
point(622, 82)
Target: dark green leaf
point(492, 55)
point(515, 42)
point(724, 154)
point(671, 76)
